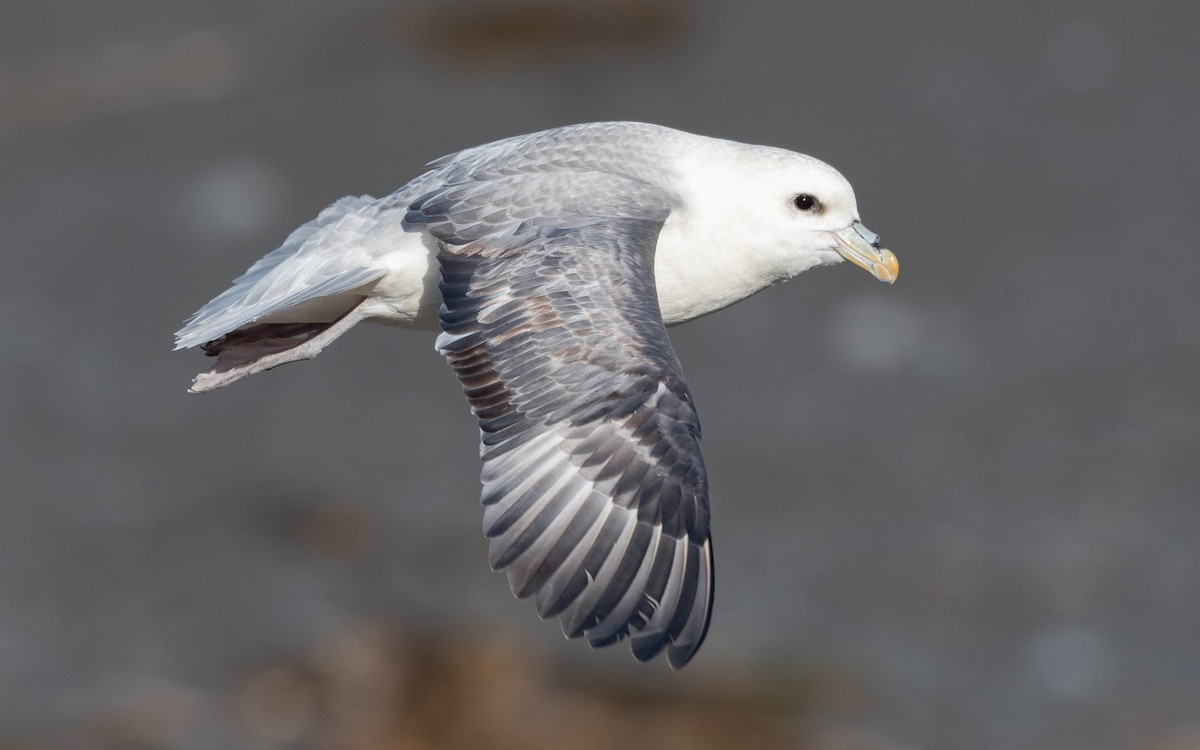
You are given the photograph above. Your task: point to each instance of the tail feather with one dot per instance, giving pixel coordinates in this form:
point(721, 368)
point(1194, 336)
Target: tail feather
point(320, 259)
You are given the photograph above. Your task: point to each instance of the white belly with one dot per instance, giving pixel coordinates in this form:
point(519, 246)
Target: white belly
point(408, 295)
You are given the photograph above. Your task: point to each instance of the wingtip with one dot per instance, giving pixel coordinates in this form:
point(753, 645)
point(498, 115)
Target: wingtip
point(695, 630)
point(678, 658)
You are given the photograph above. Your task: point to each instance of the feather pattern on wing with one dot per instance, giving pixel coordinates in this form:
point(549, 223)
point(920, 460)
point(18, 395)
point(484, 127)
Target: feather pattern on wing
point(594, 490)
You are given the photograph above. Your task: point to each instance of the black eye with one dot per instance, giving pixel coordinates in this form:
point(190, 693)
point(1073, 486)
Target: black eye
point(805, 202)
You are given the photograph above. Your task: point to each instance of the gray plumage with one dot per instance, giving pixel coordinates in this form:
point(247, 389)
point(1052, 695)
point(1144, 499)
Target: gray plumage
point(546, 263)
point(595, 494)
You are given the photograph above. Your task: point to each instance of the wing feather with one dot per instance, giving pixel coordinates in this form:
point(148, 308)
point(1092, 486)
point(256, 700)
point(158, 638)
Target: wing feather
point(594, 490)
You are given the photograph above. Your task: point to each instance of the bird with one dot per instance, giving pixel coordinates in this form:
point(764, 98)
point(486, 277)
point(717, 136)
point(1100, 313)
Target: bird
point(551, 265)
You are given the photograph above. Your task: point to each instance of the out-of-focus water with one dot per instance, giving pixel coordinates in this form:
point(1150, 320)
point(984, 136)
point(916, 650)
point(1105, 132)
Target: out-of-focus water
point(961, 511)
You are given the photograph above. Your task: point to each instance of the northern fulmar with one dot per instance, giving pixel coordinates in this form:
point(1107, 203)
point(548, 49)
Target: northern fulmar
point(552, 263)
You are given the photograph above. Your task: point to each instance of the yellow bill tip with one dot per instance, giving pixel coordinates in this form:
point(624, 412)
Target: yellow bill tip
point(887, 268)
point(860, 246)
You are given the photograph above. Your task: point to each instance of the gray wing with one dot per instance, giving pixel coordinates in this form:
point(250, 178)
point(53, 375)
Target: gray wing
point(594, 490)
point(324, 257)
point(336, 252)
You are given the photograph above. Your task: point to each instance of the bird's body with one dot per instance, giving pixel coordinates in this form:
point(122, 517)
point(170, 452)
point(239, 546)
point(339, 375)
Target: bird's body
point(551, 263)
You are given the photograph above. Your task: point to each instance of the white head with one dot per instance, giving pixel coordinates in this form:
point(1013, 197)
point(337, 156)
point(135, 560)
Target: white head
point(805, 214)
point(752, 216)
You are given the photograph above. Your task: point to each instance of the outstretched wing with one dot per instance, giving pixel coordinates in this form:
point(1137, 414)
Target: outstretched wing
point(594, 490)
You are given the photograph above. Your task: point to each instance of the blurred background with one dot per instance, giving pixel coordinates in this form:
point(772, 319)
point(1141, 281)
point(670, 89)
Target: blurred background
point(960, 512)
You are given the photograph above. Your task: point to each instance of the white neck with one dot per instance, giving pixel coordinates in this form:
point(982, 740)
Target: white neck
point(702, 267)
point(710, 253)
point(696, 274)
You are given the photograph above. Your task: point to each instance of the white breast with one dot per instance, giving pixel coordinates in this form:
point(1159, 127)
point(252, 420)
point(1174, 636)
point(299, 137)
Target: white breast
point(408, 295)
